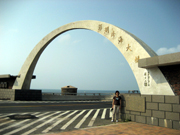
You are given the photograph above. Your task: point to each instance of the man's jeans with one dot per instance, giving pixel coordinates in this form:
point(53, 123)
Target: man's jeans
point(115, 112)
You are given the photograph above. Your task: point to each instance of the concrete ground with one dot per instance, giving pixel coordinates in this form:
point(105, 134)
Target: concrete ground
point(128, 128)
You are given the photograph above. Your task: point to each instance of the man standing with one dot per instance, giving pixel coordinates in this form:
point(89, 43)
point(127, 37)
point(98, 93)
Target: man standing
point(116, 105)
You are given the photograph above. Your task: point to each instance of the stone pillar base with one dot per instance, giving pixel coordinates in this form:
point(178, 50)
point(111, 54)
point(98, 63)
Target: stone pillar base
point(22, 95)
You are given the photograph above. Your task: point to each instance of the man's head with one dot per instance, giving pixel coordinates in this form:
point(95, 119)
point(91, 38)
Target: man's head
point(117, 93)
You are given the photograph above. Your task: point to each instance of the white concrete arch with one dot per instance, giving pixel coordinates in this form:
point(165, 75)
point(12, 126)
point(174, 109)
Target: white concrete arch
point(150, 81)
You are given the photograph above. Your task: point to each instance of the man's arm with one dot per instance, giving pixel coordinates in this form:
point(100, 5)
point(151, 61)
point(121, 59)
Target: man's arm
point(113, 103)
point(120, 104)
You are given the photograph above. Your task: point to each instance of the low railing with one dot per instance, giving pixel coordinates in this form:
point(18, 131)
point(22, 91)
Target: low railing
point(79, 94)
point(133, 91)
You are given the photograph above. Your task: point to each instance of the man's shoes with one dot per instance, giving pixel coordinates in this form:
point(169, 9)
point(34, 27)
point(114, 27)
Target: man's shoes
point(116, 120)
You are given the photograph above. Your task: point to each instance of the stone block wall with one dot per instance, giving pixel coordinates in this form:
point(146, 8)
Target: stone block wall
point(7, 94)
point(160, 110)
point(172, 75)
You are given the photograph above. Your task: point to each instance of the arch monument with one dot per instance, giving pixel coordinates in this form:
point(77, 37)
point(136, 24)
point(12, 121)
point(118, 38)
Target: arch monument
point(150, 81)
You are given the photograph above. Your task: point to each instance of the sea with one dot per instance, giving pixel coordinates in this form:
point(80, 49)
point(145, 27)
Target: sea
point(83, 91)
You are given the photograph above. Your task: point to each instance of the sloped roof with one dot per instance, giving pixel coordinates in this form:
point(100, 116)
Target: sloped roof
point(13, 76)
point(162, 60)
point(68, 86)
point(7, 76)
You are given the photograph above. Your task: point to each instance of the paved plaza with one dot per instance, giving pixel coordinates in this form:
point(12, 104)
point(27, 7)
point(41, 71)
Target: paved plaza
point(128, 128)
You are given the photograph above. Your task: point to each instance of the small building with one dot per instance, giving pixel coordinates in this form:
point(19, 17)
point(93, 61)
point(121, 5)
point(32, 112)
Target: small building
point(7, 93)
point(7, 81)
point(69, 90)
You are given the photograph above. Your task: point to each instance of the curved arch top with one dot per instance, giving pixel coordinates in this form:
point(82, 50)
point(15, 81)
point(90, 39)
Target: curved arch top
point(150, 81)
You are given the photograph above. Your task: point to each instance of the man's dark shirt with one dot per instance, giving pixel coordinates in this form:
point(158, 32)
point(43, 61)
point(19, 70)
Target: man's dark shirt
point(117, 100)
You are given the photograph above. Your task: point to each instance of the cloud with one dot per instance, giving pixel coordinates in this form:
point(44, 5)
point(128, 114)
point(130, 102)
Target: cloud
point(165, 50)
point(67, 39)
point(8, 31)
point(76, 41)
point(13, 30)
point(64, 39)
point(1, 27)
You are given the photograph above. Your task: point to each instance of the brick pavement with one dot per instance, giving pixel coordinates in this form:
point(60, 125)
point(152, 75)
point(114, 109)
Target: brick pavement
point(129, 128)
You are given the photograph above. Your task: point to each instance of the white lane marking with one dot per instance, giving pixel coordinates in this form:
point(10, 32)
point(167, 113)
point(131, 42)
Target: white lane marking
point(7, 115)
point(83, 119)
point(7, 122)
point(25, 126)
point(74, 118)
point(110, 113)
point(49, 128)
point(103, 114)
point(93, 118)
point(32, 130)
point(59, 121)
point(12, 120)
point(12, 114)
point(39, 126)
point(4, 118)
point(15, 123)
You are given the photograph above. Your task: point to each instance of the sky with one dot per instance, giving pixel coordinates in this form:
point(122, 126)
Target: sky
point(83, 58)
